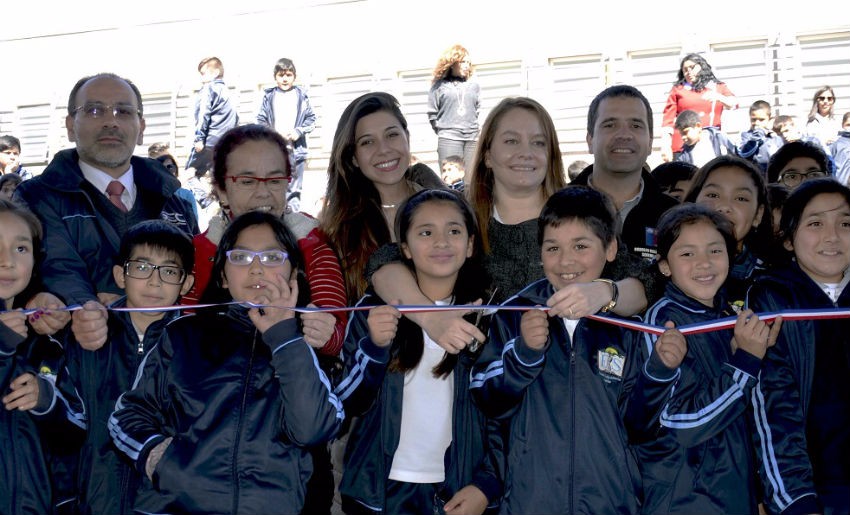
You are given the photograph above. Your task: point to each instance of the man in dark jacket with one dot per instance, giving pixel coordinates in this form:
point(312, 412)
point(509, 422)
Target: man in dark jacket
point(89, 196)
point(619, 135)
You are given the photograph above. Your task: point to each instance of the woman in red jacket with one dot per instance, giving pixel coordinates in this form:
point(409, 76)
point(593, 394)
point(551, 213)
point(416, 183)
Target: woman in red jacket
point(696, 89)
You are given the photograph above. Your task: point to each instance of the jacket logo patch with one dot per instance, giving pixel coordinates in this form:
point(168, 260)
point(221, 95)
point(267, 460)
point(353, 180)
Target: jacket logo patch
point(175, 218)
point(611, 363)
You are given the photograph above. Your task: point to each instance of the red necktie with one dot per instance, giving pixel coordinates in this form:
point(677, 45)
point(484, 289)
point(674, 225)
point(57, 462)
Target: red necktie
point(114, 191)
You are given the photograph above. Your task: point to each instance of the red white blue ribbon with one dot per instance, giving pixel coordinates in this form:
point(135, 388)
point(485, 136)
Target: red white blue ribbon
point(704, 327)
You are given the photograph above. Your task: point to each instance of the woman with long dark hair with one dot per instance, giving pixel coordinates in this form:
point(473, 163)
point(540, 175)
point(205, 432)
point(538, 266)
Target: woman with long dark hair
point(696, 89)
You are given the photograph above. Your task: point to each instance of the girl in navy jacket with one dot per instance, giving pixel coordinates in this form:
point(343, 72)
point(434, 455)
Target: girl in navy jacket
point(802, 403)
point(701, 460)
point(227, 402)
point(735, 188)
point(418, 444)
point(25, 486)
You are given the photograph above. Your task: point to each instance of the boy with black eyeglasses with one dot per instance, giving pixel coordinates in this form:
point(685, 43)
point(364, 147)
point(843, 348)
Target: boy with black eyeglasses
point(154, 268)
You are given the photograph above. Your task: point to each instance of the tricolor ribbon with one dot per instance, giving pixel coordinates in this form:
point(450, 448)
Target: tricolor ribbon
point(704, 327)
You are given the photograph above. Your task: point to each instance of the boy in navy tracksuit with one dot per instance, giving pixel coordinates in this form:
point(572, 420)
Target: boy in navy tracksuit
point(215, 114)
point(759, 143)
point(286, 108)
point(154, 268)
point(571, 393)
point(702, 459)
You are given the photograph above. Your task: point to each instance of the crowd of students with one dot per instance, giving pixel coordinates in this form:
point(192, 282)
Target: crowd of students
point(559, 400)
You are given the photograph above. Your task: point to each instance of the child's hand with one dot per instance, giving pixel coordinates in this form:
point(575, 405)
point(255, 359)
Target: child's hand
point(753, 335)
point(671, 346)
point(318, 327)
point(383, 324)
point(579, 299)
point(280, 292)
point(534, 327)
point(16, 321)
point(469, 500)
point(89, 325)
point(199, 146)
point(450, 331)
point(24, 394)
point(155, 455)
point(47, 321)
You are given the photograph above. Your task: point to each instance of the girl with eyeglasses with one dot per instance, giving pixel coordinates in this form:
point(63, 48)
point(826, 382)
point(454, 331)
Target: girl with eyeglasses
point(252, 167)
point(224, 408)
point(822, 123)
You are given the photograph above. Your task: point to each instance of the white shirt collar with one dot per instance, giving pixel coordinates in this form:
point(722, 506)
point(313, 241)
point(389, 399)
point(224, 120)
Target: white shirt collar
point(101, 180)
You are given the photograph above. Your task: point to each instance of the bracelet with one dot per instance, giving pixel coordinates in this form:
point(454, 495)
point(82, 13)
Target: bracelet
point(615, 294)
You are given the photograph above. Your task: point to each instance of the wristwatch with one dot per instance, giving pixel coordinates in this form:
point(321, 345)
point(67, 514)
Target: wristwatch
point(615, 294)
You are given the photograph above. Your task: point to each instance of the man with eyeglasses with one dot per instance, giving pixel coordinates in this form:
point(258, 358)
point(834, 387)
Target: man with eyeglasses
point(89, 196)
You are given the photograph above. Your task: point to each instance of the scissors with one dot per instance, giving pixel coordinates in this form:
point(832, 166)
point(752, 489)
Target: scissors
point(475, 344)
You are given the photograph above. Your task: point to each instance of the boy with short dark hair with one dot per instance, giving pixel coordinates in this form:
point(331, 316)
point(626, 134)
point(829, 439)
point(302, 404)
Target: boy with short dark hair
point(154, 268)
point(10, 157)
point(214, 115)
point(759, 142)
point(286, 108)
point(572, 393)
point(700, 144)
point(452, 172)
point(675, 178)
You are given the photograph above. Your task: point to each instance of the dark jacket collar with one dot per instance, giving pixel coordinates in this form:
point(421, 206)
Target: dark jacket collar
point(63, 173)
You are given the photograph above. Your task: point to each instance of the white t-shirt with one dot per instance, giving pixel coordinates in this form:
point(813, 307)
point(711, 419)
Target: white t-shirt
point(426, 420)
point(285, 105)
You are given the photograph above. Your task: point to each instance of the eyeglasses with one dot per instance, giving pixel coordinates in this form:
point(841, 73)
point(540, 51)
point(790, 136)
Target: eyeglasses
point(826, 99)
point(249, 183)
point(240, 257)
point(96, 110)
point(792, 179)
point(143, 270)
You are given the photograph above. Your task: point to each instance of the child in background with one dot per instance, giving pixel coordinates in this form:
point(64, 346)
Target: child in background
point(452, 172)
point(840, 151)
point(214, 115)
point(418, 444)
point(223, 408)
point(10, 157)
point(702, 458)
point(8, 184)
point(153, 267)
point(675, 178)
point(735, 188)
point(760, 142)
point(700, 144)
point(797, 162)
point(286, 108)
point(575, 168)
point(572, 392)
point(802, 405)
point(25, 483)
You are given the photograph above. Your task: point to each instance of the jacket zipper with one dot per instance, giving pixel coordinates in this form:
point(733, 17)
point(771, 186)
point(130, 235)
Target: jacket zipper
point(247, 382)
point(572, 421)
